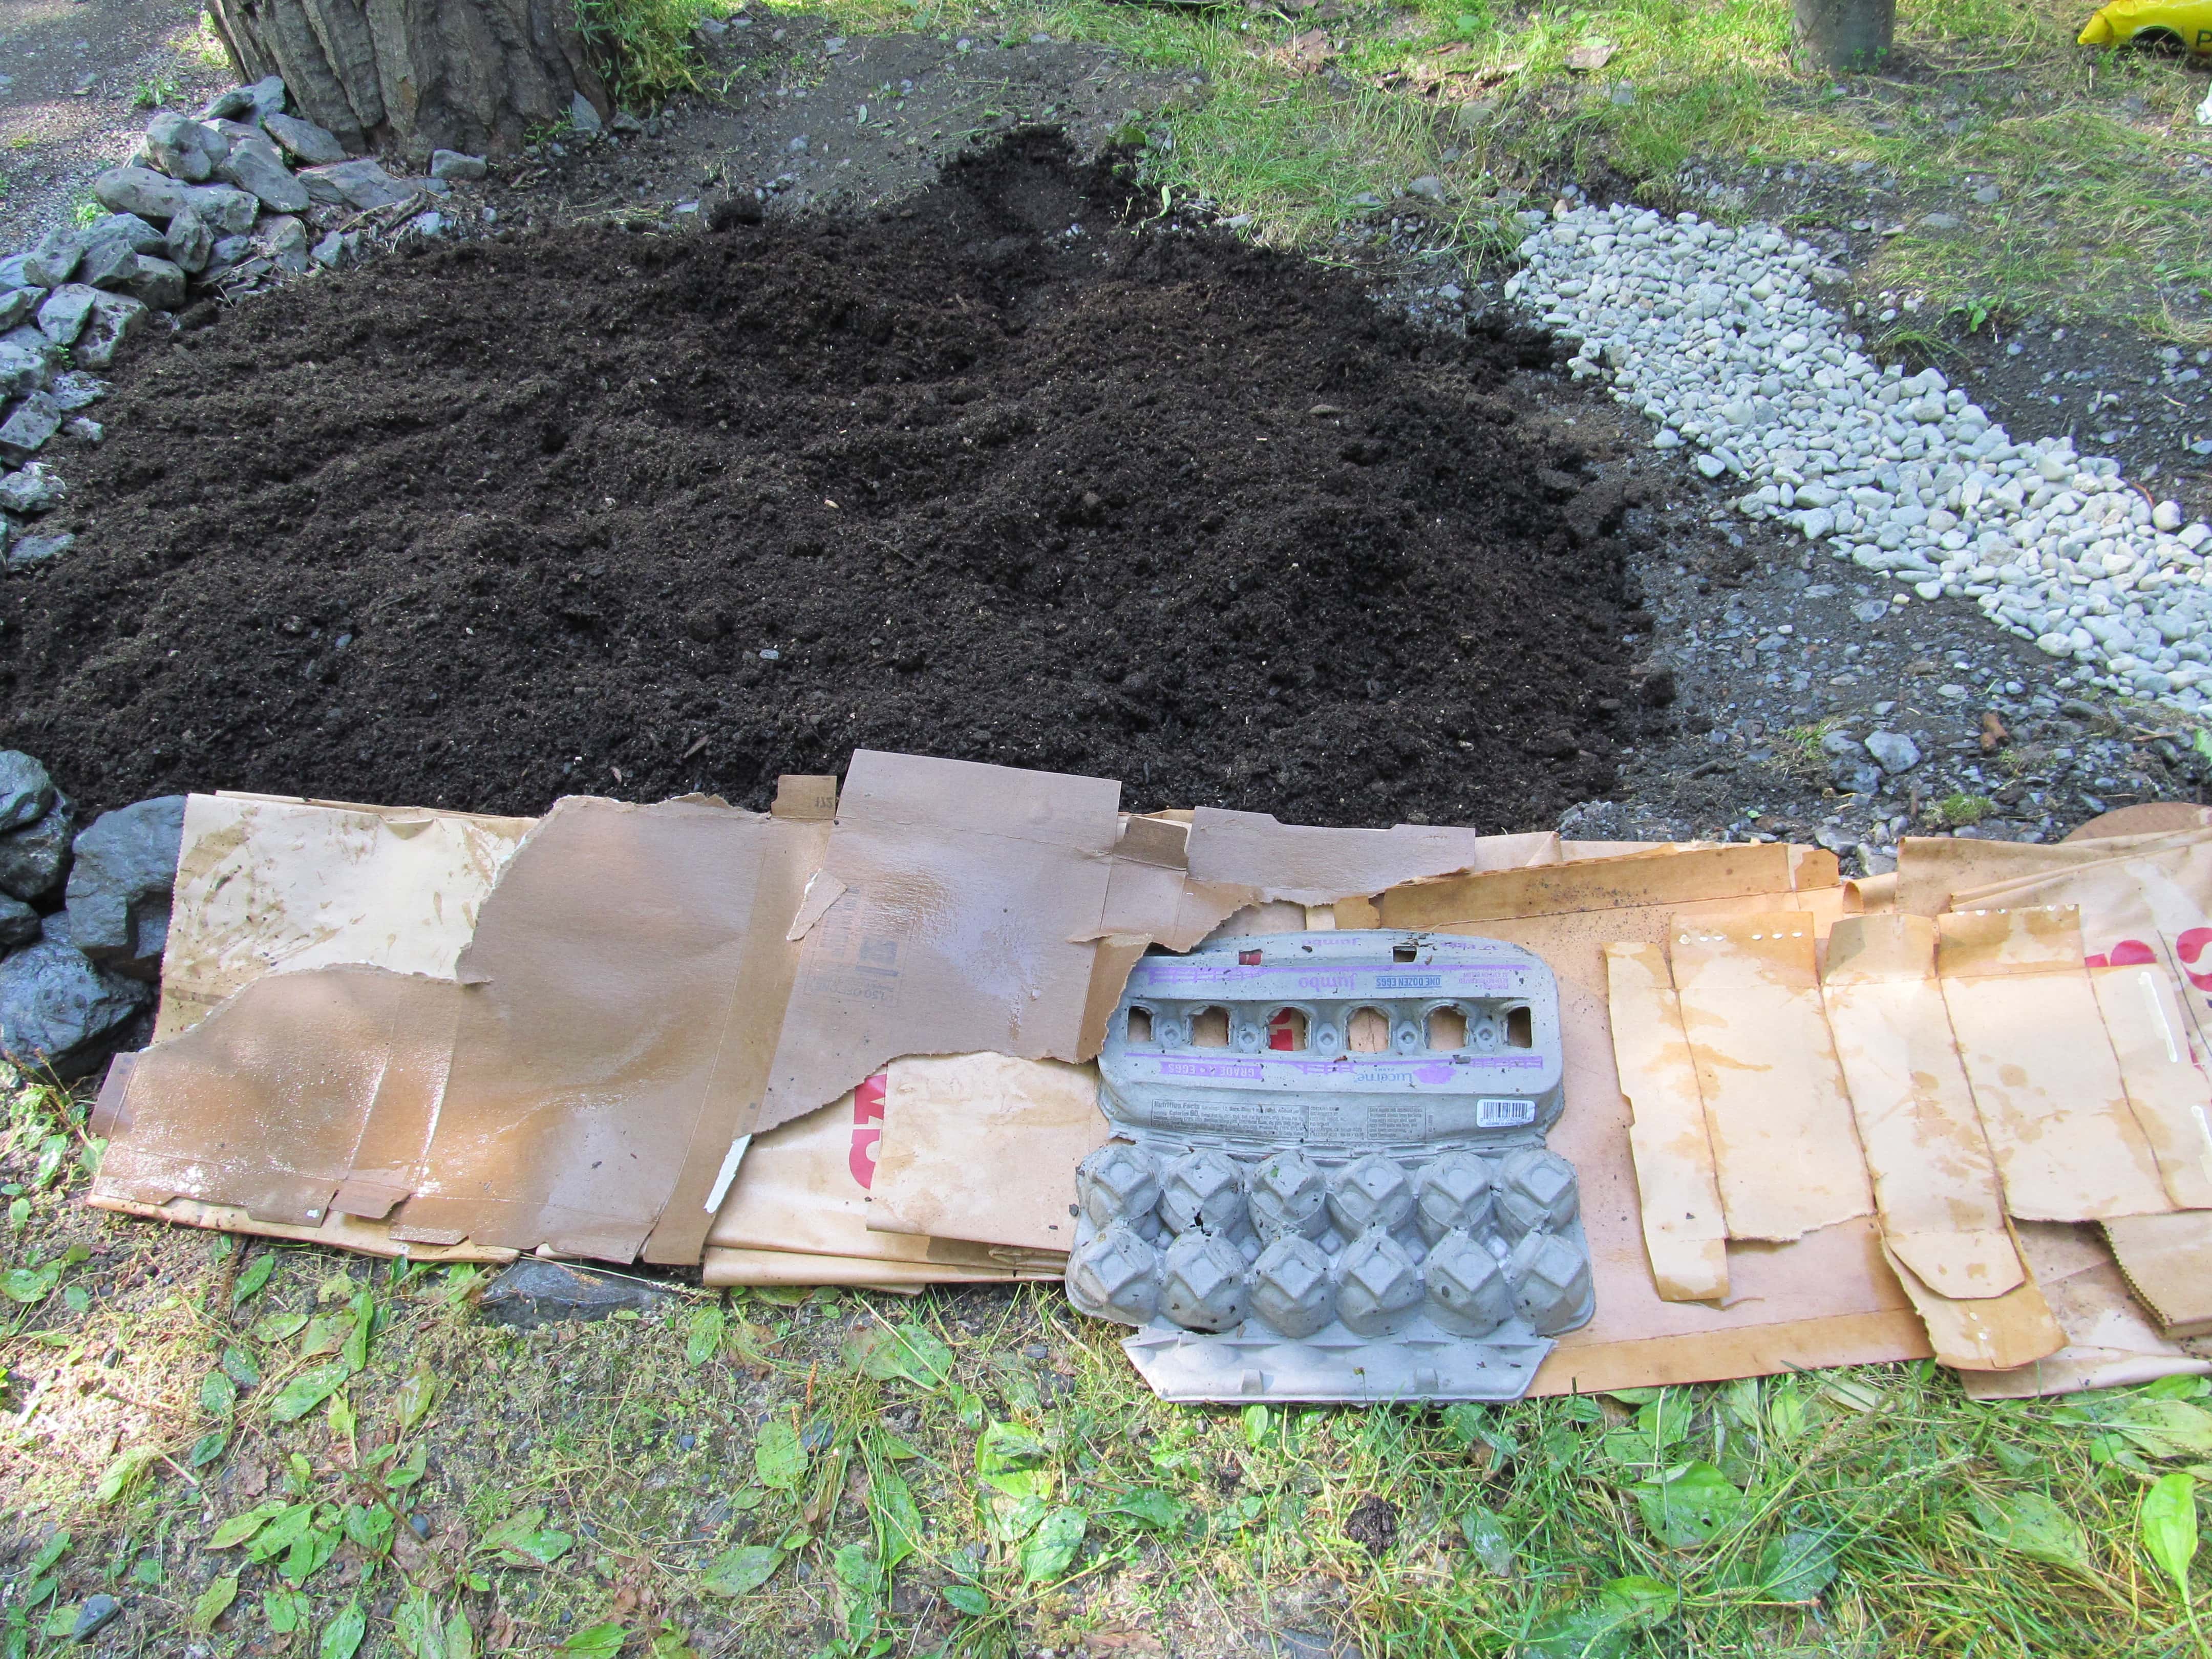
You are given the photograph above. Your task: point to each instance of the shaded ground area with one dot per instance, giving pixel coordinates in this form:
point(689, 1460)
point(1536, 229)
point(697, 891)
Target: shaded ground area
point(988, 475)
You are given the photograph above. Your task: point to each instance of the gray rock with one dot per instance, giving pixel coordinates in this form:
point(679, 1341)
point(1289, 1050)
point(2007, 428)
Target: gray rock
point(1429, 185)
point(62, 318)
point(452, 164)
point(21, 372)
point(26, 791)
point(25, 432)
point(1843, 746)
point(254, 167)
point(534, 1293)
point(255, 103)
point(583, 118)
point(139, 191)
point(226, 105)
point(228, 251)
point(185, 149)
point(34, 489)
point(1870, 611)
point(1940, 221)
point(1896, 751)
point(362, 186)
point(49, 263)
point(73, 389)
point(313, 145)
point(331, 253)
point(32, 859)
point(137, 234)
point(1860, 777)
point(428, 224)
point(84, 431)
point(285, 240)
point(268, 96)
point(229, 212)
point(159, 283)
point(94, 1616)
point(118, 885)
point(28, 551)
point(115, 319)
point(60, 1012)
point(29, 340)
point(18, 303)
point(191, 240)
point(14, 272)
point(107, 263)
point(19, 923)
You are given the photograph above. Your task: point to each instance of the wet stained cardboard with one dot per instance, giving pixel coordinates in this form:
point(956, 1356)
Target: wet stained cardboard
point(1935, 1182)
point(2110, 1341)
point(1828, 1298)
point(1685, 1233)
point(1983, 1334)
point(1785, 1145)
point(1306, 863)
point(2167, 1262)
point(2046, 1083)
point(266, 883)
point(983, 1148)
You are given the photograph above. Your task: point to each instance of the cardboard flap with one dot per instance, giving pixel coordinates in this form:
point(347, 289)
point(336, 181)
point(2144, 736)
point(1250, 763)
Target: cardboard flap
point(2167, 1259)
point(2110, 1340)
point(1935, 1180)
point(1661, 875)
point(1988, 1333)
point(2170, 1096)
point(1784, 1146)
point(1307, 864)
point(2045, 1080)
point(948, 1117)
point(970, 893)
point(1685, 1233)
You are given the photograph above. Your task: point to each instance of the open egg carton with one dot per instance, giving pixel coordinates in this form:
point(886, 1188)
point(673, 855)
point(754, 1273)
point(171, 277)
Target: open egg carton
point(1328, 1180)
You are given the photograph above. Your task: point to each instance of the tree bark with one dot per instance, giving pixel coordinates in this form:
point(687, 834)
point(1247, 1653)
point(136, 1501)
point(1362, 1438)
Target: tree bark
point(1846, 35)
point(415, 76)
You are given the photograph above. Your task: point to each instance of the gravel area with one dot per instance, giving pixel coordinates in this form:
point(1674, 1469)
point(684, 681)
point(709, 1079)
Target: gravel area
point(1716, 334)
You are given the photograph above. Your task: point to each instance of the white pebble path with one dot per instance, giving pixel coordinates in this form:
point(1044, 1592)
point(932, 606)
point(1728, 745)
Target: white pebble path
point(1714, 333)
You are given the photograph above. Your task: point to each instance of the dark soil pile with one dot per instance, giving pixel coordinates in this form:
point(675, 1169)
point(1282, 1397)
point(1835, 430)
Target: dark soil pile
point(994, 476)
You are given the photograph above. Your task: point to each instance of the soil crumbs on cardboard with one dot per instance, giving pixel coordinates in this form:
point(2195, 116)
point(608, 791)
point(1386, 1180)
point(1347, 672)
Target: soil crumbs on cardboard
point(1003, 474)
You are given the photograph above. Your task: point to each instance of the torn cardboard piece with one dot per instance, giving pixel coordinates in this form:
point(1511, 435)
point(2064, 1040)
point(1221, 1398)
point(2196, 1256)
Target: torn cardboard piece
point(802, 1188)
point(983, 1148)
point(1303, 864)
point(580, 1090)
point(264, 883)
point(1657, 876)
point(1982, 1333)
point(1685, 1233)
point(2046, 1083)
point(2110, 1342)
point(2167, 1262)
point(1785, 1147)
point(1935, 1180)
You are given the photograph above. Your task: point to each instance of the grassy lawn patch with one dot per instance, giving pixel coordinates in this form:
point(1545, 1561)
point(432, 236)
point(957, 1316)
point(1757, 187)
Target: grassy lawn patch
point(270, 1444)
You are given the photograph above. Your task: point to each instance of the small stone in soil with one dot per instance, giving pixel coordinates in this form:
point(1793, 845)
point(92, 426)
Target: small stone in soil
point(452, 164)
point(34, 489)
point(36, 419)
point(26, 790)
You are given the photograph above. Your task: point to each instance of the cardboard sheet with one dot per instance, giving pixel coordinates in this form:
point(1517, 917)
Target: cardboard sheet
point(1685, 1233)
point(264, 883)
point(969, 901)
point(2110, 1342)
point(1785, 1144)
point(1937, 873)
point(2167, 1262)
point(983, 1148)
point(724, 1266)
point(2168, 1093)
point(1935, 1182)
point(1827, 1299)
point(802, 1187)
point(2046, 1083)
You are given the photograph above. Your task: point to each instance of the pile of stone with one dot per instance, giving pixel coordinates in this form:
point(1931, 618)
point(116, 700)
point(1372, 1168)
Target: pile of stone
point(1715, 333)
point(212, 207)
point(83, 918)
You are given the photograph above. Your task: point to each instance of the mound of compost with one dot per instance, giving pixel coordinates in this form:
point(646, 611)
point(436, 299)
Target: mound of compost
point(1005, 474)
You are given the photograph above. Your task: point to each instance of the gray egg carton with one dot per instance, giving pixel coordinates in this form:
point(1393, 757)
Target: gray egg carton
point(1328, 1179)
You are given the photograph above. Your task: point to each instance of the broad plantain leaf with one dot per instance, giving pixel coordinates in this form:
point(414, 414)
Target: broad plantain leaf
point(2030, 1524)
point(1686, 1507)
point(1051, 1548)
point(778, 1457)
point(308, 1390)
point(741, 1571)
point(2168, 1524)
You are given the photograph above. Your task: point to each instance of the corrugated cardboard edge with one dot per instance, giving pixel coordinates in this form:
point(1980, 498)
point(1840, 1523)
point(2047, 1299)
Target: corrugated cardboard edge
point(1857, 1339)
point(2110, 1340)
point(1685, 1234)
point(2167, 1260)
point(341, 1232)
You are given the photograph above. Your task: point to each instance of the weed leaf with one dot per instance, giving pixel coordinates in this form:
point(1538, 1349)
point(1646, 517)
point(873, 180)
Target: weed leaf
point(909, 1354)
point(1488, 1541)
point(2030, 1524)
point(526, 1540)
point(49, 1553)
point(240, 1367)
point(1796, 1567)
point(706, 1338)
point(2169, 1526)
point(214, 1602)
point(898, 1518)
point(342, 1636)
point(286, 1610)
point(251, 1281)
point(968, 1599)
point(1010, 1459)
point(1599, 1628)
point(598, 1642)
point(218, 1395)
point(1686, 1507)
point(778, 1458)
point(414, 1397)
point(741, 1571)
point(241, 1528)
point(1051, 1548)
point(1148, 1506)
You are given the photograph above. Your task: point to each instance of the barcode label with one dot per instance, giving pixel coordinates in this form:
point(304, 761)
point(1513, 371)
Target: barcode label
point(1491, 1113)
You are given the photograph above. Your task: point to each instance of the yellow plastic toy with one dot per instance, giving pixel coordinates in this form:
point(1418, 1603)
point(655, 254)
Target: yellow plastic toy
point(2170, 25)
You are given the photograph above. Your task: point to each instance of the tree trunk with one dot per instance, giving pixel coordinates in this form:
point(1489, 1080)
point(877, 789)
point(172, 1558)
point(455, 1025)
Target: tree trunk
point(1846, 35)
point(417, 76)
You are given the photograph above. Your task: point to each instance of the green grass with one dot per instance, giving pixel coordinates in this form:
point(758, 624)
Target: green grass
point(980, 1471)
point(2095, 218)
point(644, 47)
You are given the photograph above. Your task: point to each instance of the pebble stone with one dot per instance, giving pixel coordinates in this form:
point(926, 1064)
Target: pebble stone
point(1715, 333)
